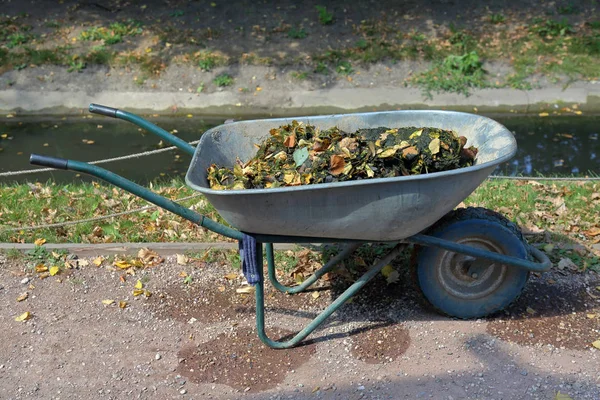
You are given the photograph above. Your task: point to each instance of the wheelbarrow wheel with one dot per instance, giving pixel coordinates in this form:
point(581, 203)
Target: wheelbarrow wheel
point(463, 286)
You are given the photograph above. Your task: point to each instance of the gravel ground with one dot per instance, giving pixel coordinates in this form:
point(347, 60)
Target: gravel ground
point(198, 340)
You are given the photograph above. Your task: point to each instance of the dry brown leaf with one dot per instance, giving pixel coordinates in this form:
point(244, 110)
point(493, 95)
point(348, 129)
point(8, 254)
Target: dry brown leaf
point(336, 164)
point(182, 259)
point(41, 268)
point(23, 296)
point(245, 290)
point(595, 231)
point(122, 304)
point(149, 257)
point(231, 276)
point(290, 141)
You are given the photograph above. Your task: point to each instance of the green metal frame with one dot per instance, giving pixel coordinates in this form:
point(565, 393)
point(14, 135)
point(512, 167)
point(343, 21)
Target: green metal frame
point(268, 240)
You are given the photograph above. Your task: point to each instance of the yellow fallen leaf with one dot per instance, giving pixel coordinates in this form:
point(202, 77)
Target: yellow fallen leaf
point(108, 302)
point(543, 114)
point(387, 270)
point(562, 396)
point(54, 270)
point(122, 304)
point(578, 112)
point(596, 344)
point(137, 292)
point(245, 290)
point(40, 268)
point(43, 275)
point(183, 274)
point(122, 264)
point(182, 259)
point(189, 115)
point(23, 317)
point(23, 296)
point(231, 276)
point(147, 293)
point(315, 295)
point(139, 284)
point(98, 261)
point(39, 242)
point(591, 316)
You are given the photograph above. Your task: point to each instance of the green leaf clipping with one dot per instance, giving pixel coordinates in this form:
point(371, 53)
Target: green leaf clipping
point(300, 155)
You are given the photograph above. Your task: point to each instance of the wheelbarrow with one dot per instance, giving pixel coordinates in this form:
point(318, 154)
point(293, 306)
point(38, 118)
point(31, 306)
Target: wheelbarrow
point(470, 262)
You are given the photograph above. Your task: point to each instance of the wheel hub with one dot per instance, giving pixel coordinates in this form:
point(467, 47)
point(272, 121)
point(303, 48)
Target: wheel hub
point(467, 277)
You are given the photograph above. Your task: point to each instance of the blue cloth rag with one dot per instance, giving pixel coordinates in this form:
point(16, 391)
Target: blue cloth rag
point(252, 271)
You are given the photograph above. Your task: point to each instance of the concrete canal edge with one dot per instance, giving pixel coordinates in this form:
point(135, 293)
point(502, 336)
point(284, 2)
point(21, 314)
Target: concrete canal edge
point(586, 96)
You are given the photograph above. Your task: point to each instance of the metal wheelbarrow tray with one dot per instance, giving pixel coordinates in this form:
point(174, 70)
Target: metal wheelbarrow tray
point(470, 262)
point(371, 209)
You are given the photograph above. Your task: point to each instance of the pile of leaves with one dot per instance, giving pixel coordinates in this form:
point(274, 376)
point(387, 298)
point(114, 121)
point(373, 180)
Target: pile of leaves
point(298, 154)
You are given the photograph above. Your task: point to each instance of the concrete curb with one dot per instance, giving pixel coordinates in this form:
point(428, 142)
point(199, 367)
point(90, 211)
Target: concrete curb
point(164, 249)
point(284, 103)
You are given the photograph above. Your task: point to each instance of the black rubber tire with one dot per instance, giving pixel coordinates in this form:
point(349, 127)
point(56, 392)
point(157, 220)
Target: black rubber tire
point(441, 278)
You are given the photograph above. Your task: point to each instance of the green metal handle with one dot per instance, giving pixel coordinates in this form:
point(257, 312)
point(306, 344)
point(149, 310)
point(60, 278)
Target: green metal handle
point(139, 191)
point(142, 123)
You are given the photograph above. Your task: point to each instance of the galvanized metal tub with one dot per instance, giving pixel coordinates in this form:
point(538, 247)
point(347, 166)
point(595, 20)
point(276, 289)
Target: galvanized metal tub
point(383, 209)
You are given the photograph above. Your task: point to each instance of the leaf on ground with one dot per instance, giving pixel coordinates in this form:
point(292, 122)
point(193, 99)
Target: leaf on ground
point(137, 292)
point(122, 264)
point(54, 270)
point(548, 248)
point(182, 259)
point(596, 344)
point(245, 290)
point(595, 231)
point(315, 295)
point(543, 114)
point(23, 296)
point(39, 242)
point(530, 311)
point(531, 229)
point(149, 257)
point(591, 316)
point(390, 274)
point(83, 262)
point(567, 263)
point(23, 317)
point(122, 304)
point(147, 293)
point(139, 285)
point(108, 302)
point(231, 276)
point(98, 261)
point(41, 268)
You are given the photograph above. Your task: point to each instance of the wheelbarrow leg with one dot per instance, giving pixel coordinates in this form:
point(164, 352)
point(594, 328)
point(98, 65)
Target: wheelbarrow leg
point(351, 291)
point(349, 249)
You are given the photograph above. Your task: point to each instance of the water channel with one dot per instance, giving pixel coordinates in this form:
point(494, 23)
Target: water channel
point(551, 146)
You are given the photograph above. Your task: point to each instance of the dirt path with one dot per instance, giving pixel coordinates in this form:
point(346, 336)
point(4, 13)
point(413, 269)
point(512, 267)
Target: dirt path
point(198, 340)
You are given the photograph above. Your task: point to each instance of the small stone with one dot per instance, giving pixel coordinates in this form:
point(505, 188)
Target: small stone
point(524, 372)
point(157, 356)
point(182, 391)
point(361, 387)
point(25, 281)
